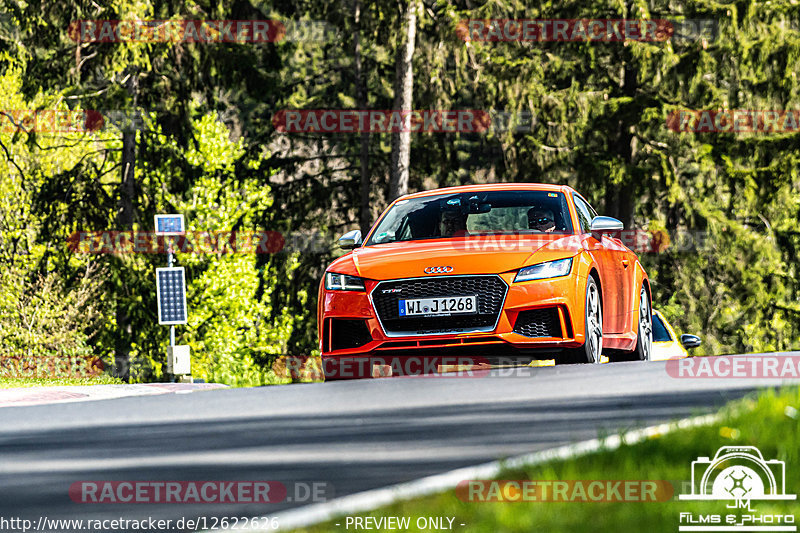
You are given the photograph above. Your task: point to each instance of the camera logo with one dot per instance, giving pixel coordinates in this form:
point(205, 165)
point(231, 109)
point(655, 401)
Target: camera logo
point(738, 473)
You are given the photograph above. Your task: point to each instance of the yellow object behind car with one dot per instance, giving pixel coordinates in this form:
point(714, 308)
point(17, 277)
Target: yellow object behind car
point(666, 343)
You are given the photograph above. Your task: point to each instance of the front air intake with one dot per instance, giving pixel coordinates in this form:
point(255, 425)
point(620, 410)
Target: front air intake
point(347, 333)
point(538, 323)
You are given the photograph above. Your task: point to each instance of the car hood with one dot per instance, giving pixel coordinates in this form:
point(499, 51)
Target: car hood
point(490, 254)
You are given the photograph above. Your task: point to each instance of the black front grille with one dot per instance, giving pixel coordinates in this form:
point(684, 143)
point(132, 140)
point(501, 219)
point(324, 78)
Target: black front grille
point(538, 323)
point(346, 333)
point(490, 290)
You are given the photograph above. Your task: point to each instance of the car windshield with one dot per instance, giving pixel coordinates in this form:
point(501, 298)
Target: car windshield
point(474, 213)
point(660, 332)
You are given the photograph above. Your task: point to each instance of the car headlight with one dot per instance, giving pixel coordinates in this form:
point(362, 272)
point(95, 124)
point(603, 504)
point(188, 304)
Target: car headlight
point(550, 269)
point(342, 282)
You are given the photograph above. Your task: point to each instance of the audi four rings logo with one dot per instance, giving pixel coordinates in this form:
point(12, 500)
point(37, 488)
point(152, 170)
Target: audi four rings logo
point(439, 270)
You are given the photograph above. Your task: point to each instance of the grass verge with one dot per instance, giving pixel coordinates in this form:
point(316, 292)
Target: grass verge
point(768, 420)
point(103, 379)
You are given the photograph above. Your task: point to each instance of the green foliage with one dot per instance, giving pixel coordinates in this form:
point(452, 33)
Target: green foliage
point(101, 379)
point(44, 324)
point(47, 321)
point(232, 330)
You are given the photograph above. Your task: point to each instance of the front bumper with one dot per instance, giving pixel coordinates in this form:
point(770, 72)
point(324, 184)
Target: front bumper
point(536, 318)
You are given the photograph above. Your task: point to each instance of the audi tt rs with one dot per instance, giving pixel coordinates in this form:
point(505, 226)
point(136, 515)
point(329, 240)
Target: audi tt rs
point(502, 272)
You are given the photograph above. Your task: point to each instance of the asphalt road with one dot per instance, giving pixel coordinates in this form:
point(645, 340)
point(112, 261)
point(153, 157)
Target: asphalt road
point(352, 436)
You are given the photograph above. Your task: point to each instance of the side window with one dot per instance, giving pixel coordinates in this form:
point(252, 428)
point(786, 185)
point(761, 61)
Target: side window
point(585, 213)
point(660, 332)
point(591, 209)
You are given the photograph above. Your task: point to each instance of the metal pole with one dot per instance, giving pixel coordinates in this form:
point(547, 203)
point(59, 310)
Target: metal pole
point(169, 264)
point(169, 252)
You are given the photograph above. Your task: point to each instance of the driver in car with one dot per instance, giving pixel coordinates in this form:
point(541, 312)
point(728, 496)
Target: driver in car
point(541, 219)
point(452, 223)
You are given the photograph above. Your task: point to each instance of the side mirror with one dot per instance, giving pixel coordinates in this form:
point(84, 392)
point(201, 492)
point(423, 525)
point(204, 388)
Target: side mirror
point(602, 225)
point(690, 341)
point(350, 240)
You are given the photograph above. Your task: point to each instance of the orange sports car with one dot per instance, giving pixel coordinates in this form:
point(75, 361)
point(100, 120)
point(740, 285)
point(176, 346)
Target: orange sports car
point(501, 272)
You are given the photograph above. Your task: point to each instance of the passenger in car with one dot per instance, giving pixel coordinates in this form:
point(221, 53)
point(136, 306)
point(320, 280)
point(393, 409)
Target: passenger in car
point(541, 219)
point(452, 223)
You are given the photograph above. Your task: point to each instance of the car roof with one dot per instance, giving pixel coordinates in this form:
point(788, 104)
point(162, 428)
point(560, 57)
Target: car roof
point(491, 187)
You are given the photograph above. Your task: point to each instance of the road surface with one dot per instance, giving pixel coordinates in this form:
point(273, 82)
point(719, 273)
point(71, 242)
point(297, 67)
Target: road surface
point(345, 436)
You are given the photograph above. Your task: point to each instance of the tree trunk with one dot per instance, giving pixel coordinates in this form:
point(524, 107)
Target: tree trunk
point(365, 213)
point(125, 218)
point(403, 89)
point(619, 196)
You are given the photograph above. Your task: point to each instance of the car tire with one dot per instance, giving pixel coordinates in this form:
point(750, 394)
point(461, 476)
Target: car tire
point(644, 330)
point(592, 348)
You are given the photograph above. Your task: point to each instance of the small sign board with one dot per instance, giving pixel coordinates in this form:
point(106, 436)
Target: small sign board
point(170, 225)
point(171, 295)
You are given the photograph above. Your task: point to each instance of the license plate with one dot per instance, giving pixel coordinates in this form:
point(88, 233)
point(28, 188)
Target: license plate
point(453, 305)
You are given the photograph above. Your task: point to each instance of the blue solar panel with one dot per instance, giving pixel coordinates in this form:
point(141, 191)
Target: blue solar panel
point(169, 224)
point(171, 295)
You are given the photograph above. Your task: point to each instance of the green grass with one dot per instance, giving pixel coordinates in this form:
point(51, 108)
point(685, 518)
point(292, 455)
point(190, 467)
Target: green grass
point(103, 379)
point(768, 420)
